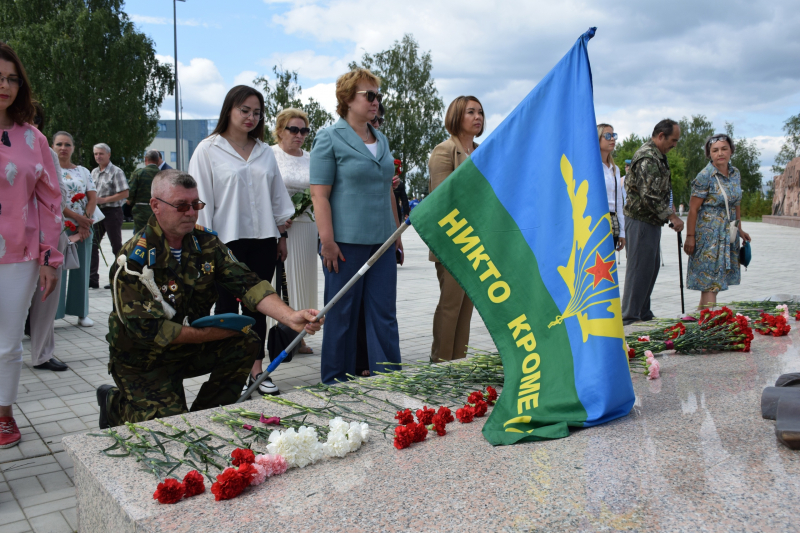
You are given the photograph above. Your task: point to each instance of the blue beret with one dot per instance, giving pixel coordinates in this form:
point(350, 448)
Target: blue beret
point(627, 161)
point(227, 321)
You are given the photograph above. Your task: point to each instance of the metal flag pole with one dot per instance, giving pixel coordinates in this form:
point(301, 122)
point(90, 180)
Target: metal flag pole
point(361, 271)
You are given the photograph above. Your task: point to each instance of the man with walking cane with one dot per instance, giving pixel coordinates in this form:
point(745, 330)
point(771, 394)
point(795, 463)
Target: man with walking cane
point(647, 208)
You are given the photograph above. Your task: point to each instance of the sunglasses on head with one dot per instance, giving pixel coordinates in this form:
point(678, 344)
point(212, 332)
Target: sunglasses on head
point(377, 120)
point(197, 205)
point(371, 95)
point(294, 130)
point(609, 136)
point(720, 137)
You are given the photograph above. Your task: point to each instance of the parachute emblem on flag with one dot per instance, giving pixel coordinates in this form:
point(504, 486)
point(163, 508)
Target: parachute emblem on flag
point(581, 277)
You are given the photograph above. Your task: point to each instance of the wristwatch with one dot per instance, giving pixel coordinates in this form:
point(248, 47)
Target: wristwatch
point(285, 234)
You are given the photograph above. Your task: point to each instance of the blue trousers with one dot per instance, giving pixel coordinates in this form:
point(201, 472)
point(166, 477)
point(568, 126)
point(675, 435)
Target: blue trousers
point(378, 291)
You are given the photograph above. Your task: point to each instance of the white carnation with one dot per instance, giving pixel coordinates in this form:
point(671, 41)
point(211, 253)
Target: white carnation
point(299, 448)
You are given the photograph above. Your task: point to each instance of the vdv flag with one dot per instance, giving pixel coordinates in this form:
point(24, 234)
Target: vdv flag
point(524, 227)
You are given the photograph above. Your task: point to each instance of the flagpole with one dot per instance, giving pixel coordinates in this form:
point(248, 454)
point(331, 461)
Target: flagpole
point(361, 271)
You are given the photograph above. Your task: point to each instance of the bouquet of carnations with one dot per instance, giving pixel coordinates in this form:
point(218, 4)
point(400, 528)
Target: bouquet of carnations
point(775, 325)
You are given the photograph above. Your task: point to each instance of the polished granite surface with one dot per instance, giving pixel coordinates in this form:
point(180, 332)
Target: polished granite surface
point(693, 455)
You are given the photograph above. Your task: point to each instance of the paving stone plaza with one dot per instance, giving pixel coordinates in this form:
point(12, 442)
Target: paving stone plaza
point(36, 477)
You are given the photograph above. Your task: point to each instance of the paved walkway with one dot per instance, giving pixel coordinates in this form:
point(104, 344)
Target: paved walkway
point(36, 489)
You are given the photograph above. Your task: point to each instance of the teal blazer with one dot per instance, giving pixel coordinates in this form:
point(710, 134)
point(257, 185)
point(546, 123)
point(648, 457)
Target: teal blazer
point(361, 206)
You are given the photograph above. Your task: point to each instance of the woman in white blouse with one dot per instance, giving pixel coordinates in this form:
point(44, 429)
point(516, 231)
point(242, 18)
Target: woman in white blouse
point(608, 141)
point(74, 298)
point(291, 130)
point(246, 201)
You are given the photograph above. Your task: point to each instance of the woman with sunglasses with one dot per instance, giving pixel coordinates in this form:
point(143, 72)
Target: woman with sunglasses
point(30, 227)
point(608, 141)
point(300, 268)
point(246, 201)
point(351, 187)
point(713, 206)
point(464, 121)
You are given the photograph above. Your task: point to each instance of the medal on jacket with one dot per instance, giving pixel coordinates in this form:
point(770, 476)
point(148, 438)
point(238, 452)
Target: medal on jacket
point(163, 288)
point(208, 268)
point(173, 286)
point(171, 298)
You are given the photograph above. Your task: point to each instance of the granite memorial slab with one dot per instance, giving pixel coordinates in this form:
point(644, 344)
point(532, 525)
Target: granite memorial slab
point(694, 454)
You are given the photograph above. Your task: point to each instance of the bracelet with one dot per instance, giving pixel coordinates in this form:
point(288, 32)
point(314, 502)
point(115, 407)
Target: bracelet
point(285, 234)
point(692, 235)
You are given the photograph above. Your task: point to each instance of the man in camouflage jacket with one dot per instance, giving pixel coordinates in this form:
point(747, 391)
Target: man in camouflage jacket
point(139, 193)
point(647, 208)
point(150, 354)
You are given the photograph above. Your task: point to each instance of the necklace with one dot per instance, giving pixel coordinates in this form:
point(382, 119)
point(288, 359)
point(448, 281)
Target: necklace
point(239, 146)
point(368, 134)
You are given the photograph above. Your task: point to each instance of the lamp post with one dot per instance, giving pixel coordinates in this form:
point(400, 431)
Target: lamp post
point(177, 116)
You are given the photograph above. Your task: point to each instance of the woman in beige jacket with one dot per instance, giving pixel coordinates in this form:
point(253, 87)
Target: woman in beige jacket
point(464, 121)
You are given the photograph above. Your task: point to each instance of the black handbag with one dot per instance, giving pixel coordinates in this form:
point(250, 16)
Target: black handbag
point(279, 337)
point(615, 230)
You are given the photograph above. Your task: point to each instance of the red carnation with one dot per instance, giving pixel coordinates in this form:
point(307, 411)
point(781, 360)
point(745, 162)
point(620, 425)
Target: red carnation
point(439, 424)
point(243, 456)
point(425, 415)
point(229, 484)
point(402, 437)
point(631, 353)
point(404, 417)
point(78, 197)
point(446, 414)
point(480, 408)
point(247, 471)
point(474, 397)
point(465, 414)
point(171, 491)
point(797, 316)
point(491, 395)
point(68, 224)
point(193, 484)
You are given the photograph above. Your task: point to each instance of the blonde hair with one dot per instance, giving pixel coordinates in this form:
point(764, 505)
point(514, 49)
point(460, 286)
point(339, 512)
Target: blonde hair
point(283, 119)
point(347, 85)
point(600, 128)
point(455, 112)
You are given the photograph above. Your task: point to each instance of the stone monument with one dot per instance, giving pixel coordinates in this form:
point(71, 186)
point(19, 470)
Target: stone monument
point(786, 201)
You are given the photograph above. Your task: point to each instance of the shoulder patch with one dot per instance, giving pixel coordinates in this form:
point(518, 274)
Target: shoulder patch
point(204, 229)
point(138, 253)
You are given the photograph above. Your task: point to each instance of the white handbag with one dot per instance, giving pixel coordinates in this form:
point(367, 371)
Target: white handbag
point(733, 227)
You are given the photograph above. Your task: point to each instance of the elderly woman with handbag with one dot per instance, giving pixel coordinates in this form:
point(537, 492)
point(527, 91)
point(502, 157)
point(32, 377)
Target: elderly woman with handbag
point(713, 226)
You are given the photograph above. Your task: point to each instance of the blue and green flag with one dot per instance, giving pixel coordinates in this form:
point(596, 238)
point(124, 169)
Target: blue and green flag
point(525, 229)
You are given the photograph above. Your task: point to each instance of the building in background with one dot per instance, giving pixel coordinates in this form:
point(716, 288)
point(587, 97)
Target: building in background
point(194, 131)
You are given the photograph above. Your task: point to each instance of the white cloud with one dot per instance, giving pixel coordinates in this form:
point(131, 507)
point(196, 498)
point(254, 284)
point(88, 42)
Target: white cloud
point(308, 64)
point(145, 19)
point(324, 93)
point(245, 78)
point(202, 89)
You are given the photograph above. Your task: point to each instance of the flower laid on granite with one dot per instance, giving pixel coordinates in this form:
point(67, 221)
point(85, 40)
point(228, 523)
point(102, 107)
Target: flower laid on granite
point(772, 325)
point(440, 420)
point(273, 420)
point(232, 482)
point(465, 414)
point(631, 353)
point(193, 484)
point(344, 438)
point(653, 368)
point(425, 415)
point(404, 417)
point(797, 316)
point(243, 456)
point(784, 310)
point(170, 491)
point(300, 448)
point(273, 464)
point(644, 338)
point(403, 437)
point(490, 395)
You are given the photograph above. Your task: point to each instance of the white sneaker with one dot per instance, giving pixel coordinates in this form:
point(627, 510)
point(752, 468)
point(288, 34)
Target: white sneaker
point(266, 386)
point(85, 322)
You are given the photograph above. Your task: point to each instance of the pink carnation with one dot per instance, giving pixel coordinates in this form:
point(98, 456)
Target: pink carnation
point(654, 370)
point(260, 476)
point(274, 465)
point(649, 355)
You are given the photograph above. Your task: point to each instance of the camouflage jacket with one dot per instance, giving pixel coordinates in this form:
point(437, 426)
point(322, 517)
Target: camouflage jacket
point(144, 334)
point(140, 182)
point(647, 186)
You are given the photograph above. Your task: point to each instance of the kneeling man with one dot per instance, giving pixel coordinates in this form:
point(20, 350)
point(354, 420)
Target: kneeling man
point(151, 354)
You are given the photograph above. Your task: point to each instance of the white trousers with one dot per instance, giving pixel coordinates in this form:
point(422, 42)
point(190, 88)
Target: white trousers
point(17, 284)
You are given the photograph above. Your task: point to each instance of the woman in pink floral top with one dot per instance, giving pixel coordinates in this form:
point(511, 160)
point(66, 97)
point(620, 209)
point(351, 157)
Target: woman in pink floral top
point(30, 226)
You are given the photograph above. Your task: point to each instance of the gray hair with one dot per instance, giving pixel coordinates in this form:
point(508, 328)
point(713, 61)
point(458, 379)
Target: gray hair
point(103, 146)
point(65, 134)
point(166, 179)
point(152, 155)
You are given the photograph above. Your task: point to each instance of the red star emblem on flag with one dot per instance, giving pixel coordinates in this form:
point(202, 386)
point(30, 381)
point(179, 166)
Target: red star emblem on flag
point(600, 270)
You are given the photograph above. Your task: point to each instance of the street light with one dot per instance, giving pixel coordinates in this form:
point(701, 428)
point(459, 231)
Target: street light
point(177, 121)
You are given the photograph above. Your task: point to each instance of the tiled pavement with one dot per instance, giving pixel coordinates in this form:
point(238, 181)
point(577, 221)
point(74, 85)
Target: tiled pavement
point(36, 489)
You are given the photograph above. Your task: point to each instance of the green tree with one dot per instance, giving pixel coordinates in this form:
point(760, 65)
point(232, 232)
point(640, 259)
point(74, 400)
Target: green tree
point(691, 149)
point(626, 149)
point(285, 92)
point(747, 158)
point(791, 147)
point(414, 110)
point(96, 76)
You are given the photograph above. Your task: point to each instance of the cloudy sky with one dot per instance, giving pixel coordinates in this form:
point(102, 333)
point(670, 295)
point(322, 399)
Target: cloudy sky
point(735, 61)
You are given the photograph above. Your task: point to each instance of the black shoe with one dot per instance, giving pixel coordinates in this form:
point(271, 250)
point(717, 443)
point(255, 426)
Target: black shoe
point(52, 364)
point(107, 287)
point(102, 401)
point(94, 285)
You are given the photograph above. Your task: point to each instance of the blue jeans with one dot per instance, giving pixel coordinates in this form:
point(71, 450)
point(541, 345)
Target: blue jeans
point(378, 290)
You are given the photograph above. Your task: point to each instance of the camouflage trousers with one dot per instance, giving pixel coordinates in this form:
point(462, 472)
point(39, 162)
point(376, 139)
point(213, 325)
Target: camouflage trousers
point(157, 392)
point(141, 214)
